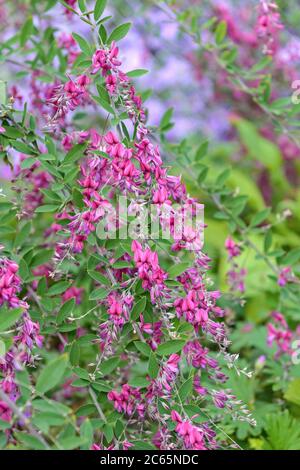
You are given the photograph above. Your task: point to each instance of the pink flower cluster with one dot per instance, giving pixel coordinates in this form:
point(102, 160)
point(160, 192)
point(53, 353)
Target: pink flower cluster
point(67, 97)
point(128, 401)
point(285, 276)
point(279, 333)
point(153, 330)
point(35, 180)
point(268, 25)
point(235, 276)
point(10, 284)
point(67, 42)
point(192, 308)
point(28, 334)
point(119, 307)
point(197, 355)
point(192, 436)
point(117, 82)
point(162, 386)
point(149, 271)
point(73, 292)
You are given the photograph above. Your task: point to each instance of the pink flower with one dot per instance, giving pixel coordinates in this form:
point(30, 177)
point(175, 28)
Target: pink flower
point(198, 356)
point(192, 436)
point(5, 412)
point(127, 401)
point(232, 248)
point(193, 309)
point(268, 25)
point(10, 284)
point(285, 276)
point(280, 334)
point(106, 59)
point(73, 292)
point(149, 271)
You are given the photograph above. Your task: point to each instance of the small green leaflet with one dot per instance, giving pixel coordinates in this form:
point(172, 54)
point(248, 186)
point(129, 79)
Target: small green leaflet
point(170, 347)
point(99, 9)
point(144, 348)
point(136, 73)
point(58, 288)
point(8, 317)
point(52, 374)
point(119, 33)
point(83, 44)
point(99, 294)
point(65, 310)
point(138, 308)
point(177, 269)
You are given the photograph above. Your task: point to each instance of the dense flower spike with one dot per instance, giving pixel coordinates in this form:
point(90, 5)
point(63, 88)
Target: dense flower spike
point(28, 335)
point(268, 25)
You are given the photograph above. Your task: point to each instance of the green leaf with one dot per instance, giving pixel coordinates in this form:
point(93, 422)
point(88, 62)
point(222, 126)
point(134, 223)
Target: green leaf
point(26, 31)
point(177, 269)
point(23, 148)
point(65, 310)
point(108, 432)
point(153, 366)
point(122, 265)
point(185, 389)
point(72, 442)
point(139, 382)
point(136, 73)
point(166, 119)
point(99, 277)
point(293, 392)
point(87, 433)
point(138, 308)
point(29, 441)
point(143, 445)
point(22, 235)
point(74, 353)
point(76, 152)
point(9, 317)
point(109, 365)
point(83, 44)
point(119, 33)
point(99, 9)
point(41, 257)
point(3, 93)
point(258, 218)
point(52, 374)
point(202, 150)
point(144, 348)
point(170, 347)
point(82, 6)
point(99, 294)
point(268, 241)
point(58, 288)
point(86, 410)
point(104, 104)
point(4, 425)
point(47, 208)
point(28, 162)
point(292, 257)
point(283, 432)
point(220, 32)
